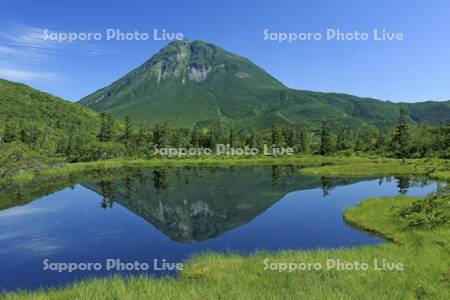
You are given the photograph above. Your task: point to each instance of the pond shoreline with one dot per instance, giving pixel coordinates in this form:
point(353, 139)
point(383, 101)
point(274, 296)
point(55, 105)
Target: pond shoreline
point(313, 165)
point(212, 275)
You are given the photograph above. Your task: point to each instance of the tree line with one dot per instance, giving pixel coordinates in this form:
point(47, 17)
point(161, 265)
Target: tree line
point(113, 139)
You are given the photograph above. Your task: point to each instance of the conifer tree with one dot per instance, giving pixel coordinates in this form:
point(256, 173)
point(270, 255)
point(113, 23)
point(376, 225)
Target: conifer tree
point(401, 137)
point(303, 142)
point(128, 131)
point(325, 139)
point(381, 141)
point(196, 136)
point(277, 136)
point(231, 137)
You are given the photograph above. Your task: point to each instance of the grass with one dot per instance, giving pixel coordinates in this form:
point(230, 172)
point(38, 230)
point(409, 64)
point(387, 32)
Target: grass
point(27, 185)
point(424, 253)
point(70, 168)
point(24, 186)
point(311, 165)
point(438, 169)
point(445, 175)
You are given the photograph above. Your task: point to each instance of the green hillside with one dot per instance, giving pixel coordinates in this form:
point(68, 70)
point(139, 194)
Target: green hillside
point(195, 82)
point(40, 119)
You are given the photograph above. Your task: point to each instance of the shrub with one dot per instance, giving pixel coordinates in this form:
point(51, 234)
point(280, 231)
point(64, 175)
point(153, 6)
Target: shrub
point(16, 157)
point(94, 150)
point(429, 212)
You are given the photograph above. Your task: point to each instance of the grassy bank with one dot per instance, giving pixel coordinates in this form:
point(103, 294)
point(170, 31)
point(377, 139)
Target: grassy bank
point(311, 164)
point(29, 185)
point(444, 175)
point(304, 161)
point(32, 184)
point(438, 169)
point(423, 252)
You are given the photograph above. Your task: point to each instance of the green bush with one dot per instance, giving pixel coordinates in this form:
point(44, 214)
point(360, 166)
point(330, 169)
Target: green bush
point(94, 150)
point(429, 212)
point(16, 157)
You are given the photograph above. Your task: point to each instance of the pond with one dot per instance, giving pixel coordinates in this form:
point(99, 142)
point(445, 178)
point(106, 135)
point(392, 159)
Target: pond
point(165, 215)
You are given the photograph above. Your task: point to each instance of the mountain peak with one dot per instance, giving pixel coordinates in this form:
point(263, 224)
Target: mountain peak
point(193, 74)
point(192, 82)
point(189, 60)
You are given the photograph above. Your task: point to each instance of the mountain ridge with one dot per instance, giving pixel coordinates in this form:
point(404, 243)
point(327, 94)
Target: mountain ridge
point(191, 82)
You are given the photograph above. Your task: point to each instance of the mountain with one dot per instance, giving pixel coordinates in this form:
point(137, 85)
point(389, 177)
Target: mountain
point(196, 82)
point(187, 82)
point(42, 115)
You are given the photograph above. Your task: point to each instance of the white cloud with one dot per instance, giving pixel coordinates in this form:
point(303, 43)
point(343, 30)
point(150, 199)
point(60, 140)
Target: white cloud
point(27, 75)
point(25, 43)
point(25, 52)
point(26, 36)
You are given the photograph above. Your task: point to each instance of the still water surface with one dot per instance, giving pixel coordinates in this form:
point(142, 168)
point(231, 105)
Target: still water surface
point(173, 213)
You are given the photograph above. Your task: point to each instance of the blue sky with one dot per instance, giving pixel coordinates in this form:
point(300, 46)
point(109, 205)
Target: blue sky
point(414, 69)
